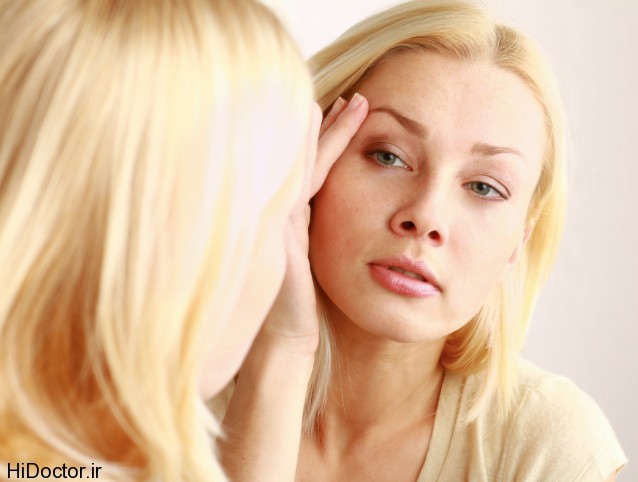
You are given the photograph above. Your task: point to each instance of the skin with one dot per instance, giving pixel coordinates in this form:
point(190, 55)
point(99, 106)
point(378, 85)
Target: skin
point(432, 196)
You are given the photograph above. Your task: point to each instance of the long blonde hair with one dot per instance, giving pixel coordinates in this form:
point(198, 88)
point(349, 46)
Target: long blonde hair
point(460, 29)
point(133, 139)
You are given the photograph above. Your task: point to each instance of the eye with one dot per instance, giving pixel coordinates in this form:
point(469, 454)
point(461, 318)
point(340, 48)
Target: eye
point(388, 159)
point(484, 190)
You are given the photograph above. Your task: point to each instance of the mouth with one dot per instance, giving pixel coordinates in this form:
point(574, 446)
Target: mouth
point(405, 276)
point(411, 274)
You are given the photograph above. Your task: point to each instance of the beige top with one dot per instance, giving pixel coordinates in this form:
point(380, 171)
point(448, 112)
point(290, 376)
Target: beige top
point(556, 433)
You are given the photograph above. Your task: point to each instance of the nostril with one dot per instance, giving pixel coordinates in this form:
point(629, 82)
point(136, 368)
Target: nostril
point(408, 225)
point(434, 236)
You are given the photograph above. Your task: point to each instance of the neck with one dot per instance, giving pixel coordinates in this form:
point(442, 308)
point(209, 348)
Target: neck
point(379, 385)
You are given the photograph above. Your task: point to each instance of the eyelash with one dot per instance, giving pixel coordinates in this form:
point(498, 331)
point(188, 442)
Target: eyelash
point(374, 155)
point(499, 195)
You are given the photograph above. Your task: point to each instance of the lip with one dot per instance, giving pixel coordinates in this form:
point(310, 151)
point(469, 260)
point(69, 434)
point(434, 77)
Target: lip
point(401, 283)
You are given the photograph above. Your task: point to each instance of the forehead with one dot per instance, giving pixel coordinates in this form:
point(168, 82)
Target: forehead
point(467, 100)
point(407, 75)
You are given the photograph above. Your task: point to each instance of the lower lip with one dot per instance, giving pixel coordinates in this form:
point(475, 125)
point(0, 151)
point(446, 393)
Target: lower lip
point(402, 284)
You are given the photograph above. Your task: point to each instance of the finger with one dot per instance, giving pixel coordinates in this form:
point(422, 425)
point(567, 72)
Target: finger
point(337, 108)
point(336, 138)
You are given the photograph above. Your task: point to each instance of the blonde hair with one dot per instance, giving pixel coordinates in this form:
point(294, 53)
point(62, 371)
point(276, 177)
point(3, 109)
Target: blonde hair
point(492, 340)
point(134, 136)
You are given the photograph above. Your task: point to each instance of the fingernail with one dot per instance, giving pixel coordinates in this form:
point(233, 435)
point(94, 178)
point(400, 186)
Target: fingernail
point(337, 105)
point(355, 101)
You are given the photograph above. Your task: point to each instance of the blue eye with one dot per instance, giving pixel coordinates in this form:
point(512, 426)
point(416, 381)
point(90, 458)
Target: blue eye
point(388, 159)
point(484, 190)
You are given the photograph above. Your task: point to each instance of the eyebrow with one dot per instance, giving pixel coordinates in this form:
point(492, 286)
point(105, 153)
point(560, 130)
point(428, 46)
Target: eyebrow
point(490, 150)
point(417, 129)
point(410, 125)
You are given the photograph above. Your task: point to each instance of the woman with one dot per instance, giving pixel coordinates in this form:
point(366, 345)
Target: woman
point(151, 153)
point(429, 242)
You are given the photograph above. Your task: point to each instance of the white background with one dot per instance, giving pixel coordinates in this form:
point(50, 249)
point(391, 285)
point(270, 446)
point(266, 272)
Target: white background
point(586, 321)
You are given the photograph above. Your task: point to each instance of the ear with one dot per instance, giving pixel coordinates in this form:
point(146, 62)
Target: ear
point(518, 250)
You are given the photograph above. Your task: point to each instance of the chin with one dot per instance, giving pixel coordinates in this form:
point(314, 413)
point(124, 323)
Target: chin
point(394, 326)
point(401, 331)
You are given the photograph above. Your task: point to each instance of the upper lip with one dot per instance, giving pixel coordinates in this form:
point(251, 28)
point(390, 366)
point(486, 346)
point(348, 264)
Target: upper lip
point(409, 264)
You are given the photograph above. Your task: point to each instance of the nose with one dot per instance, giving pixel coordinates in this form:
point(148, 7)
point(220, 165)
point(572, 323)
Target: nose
point(423, 214)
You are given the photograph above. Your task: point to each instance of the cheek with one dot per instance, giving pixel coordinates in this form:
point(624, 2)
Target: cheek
point(351, 202)
point(330, 213)
point(485, 248)
point(339, 218)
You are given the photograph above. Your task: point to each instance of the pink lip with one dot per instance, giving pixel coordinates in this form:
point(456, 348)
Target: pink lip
point(401, 283)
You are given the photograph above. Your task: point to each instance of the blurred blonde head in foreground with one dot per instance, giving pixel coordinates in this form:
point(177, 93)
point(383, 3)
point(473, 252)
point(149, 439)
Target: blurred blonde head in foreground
point(150, 152)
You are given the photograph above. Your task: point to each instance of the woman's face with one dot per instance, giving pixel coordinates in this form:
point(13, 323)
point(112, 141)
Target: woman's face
point(425, 211)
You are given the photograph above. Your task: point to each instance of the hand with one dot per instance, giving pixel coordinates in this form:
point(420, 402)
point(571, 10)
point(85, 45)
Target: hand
point(293, 317)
